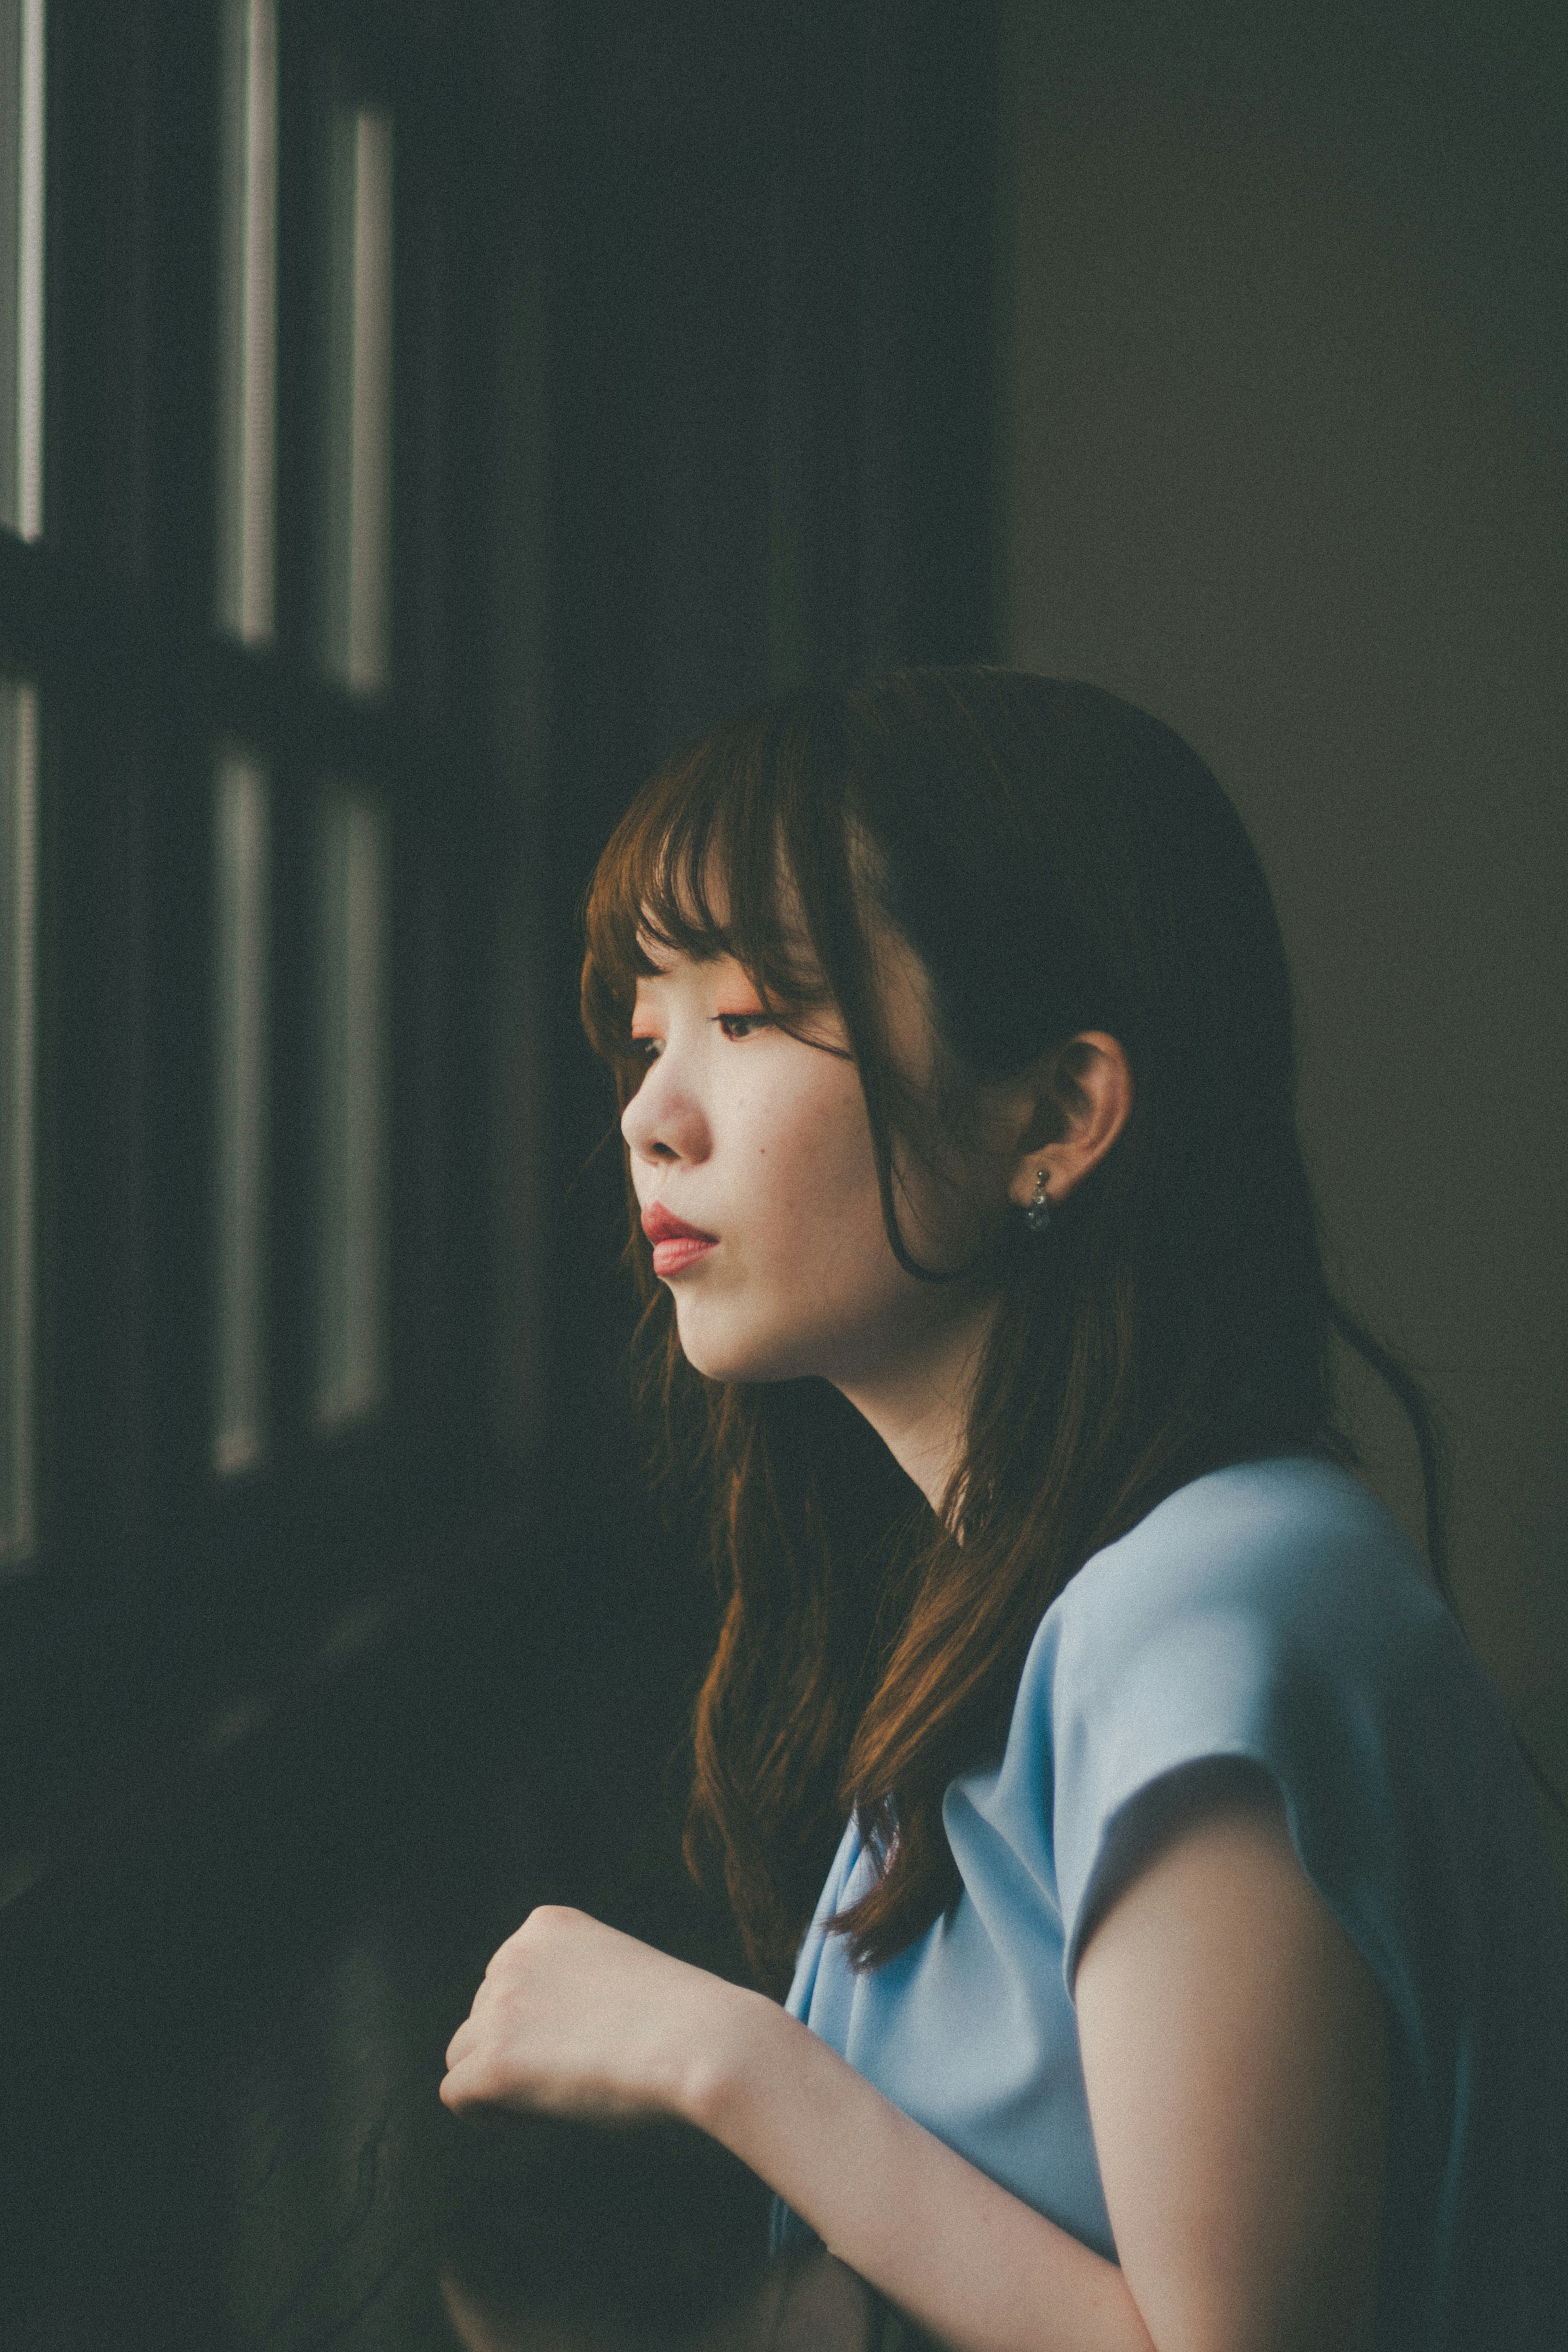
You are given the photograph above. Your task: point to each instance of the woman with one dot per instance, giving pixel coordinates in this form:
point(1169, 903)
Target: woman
point(1189, 1971)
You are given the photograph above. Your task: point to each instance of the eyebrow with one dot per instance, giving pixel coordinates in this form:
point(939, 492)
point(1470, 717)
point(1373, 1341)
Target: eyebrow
point(650, 980)
point(805, 983)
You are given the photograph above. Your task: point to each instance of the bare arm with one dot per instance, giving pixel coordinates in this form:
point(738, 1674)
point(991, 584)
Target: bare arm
point(1234, 2058)
point(968, 2262)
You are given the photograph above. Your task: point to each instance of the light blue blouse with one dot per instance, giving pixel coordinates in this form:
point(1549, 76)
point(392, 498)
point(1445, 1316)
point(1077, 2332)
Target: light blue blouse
point(1272, 1611)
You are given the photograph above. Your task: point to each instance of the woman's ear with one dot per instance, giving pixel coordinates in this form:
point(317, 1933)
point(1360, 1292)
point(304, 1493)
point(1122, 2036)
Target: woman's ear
point(1077, 1101)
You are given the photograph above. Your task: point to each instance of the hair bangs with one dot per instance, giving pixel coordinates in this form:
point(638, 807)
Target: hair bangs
point(721, 854)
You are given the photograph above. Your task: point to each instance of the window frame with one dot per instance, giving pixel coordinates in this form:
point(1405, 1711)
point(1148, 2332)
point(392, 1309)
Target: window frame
point(162, 1593)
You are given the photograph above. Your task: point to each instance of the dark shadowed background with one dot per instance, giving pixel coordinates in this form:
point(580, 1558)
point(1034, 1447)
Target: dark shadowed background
point(1216, 353)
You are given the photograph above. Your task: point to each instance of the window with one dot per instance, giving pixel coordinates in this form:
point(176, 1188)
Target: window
point(18, 886)
point(305, 1085)
point(248, 318)
point(21, 512)
point(241, 887)
point(350, 1137)
point(356, 508)
point(233, 958)
point(22, 266)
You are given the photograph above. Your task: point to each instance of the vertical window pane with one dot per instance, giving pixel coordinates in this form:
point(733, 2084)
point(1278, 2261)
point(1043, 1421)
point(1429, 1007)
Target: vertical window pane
point(247, 316)
point(351, 1108)
point(18, 1023)
point(357, 512)
point(22, 266)
point(242, 989)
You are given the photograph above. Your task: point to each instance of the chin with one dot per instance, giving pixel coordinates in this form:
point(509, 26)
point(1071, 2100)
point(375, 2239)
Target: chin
point(740, 1354)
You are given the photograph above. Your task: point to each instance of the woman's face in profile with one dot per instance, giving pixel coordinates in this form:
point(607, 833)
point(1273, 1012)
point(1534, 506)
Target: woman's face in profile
point(751, 1155)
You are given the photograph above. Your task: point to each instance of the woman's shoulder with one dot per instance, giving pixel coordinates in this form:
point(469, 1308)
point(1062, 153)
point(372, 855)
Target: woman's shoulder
point(1286, 1511)
point(1292, 1549)
point(1273, 1614)
point(1272, 1611)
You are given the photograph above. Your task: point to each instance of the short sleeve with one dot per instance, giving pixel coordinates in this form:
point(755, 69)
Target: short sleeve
point(1280, 1627)
point(1152, 1817)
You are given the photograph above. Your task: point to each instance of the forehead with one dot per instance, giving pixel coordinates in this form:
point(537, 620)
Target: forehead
point(780, 953)
point(659, 957)
point(711, 982)
point(667, 964)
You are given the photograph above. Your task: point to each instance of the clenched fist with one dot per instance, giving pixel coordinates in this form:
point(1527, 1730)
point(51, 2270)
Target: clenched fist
point(574, 2019)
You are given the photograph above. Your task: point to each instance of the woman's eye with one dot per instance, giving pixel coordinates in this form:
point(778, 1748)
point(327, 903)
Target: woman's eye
point(643, 1049)
point(741, 1025)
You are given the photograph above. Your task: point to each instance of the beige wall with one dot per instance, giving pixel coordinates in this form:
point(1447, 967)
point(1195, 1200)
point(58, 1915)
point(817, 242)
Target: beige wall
point(1279, 463)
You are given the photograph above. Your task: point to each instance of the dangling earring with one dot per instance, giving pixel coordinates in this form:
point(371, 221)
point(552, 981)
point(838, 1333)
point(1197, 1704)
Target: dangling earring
point(1038, 1213)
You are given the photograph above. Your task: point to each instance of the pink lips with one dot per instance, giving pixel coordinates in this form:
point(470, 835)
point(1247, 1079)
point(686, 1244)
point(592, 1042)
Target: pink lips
point(675, 1243)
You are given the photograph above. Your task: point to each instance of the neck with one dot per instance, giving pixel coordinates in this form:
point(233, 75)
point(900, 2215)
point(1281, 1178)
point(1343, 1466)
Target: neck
point(919, 1405)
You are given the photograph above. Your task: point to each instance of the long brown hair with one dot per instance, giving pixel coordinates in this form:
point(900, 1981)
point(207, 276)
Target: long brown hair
point(1058, 861)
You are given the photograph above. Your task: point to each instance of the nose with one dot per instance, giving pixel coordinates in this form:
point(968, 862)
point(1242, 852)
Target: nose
point(665, 1121)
